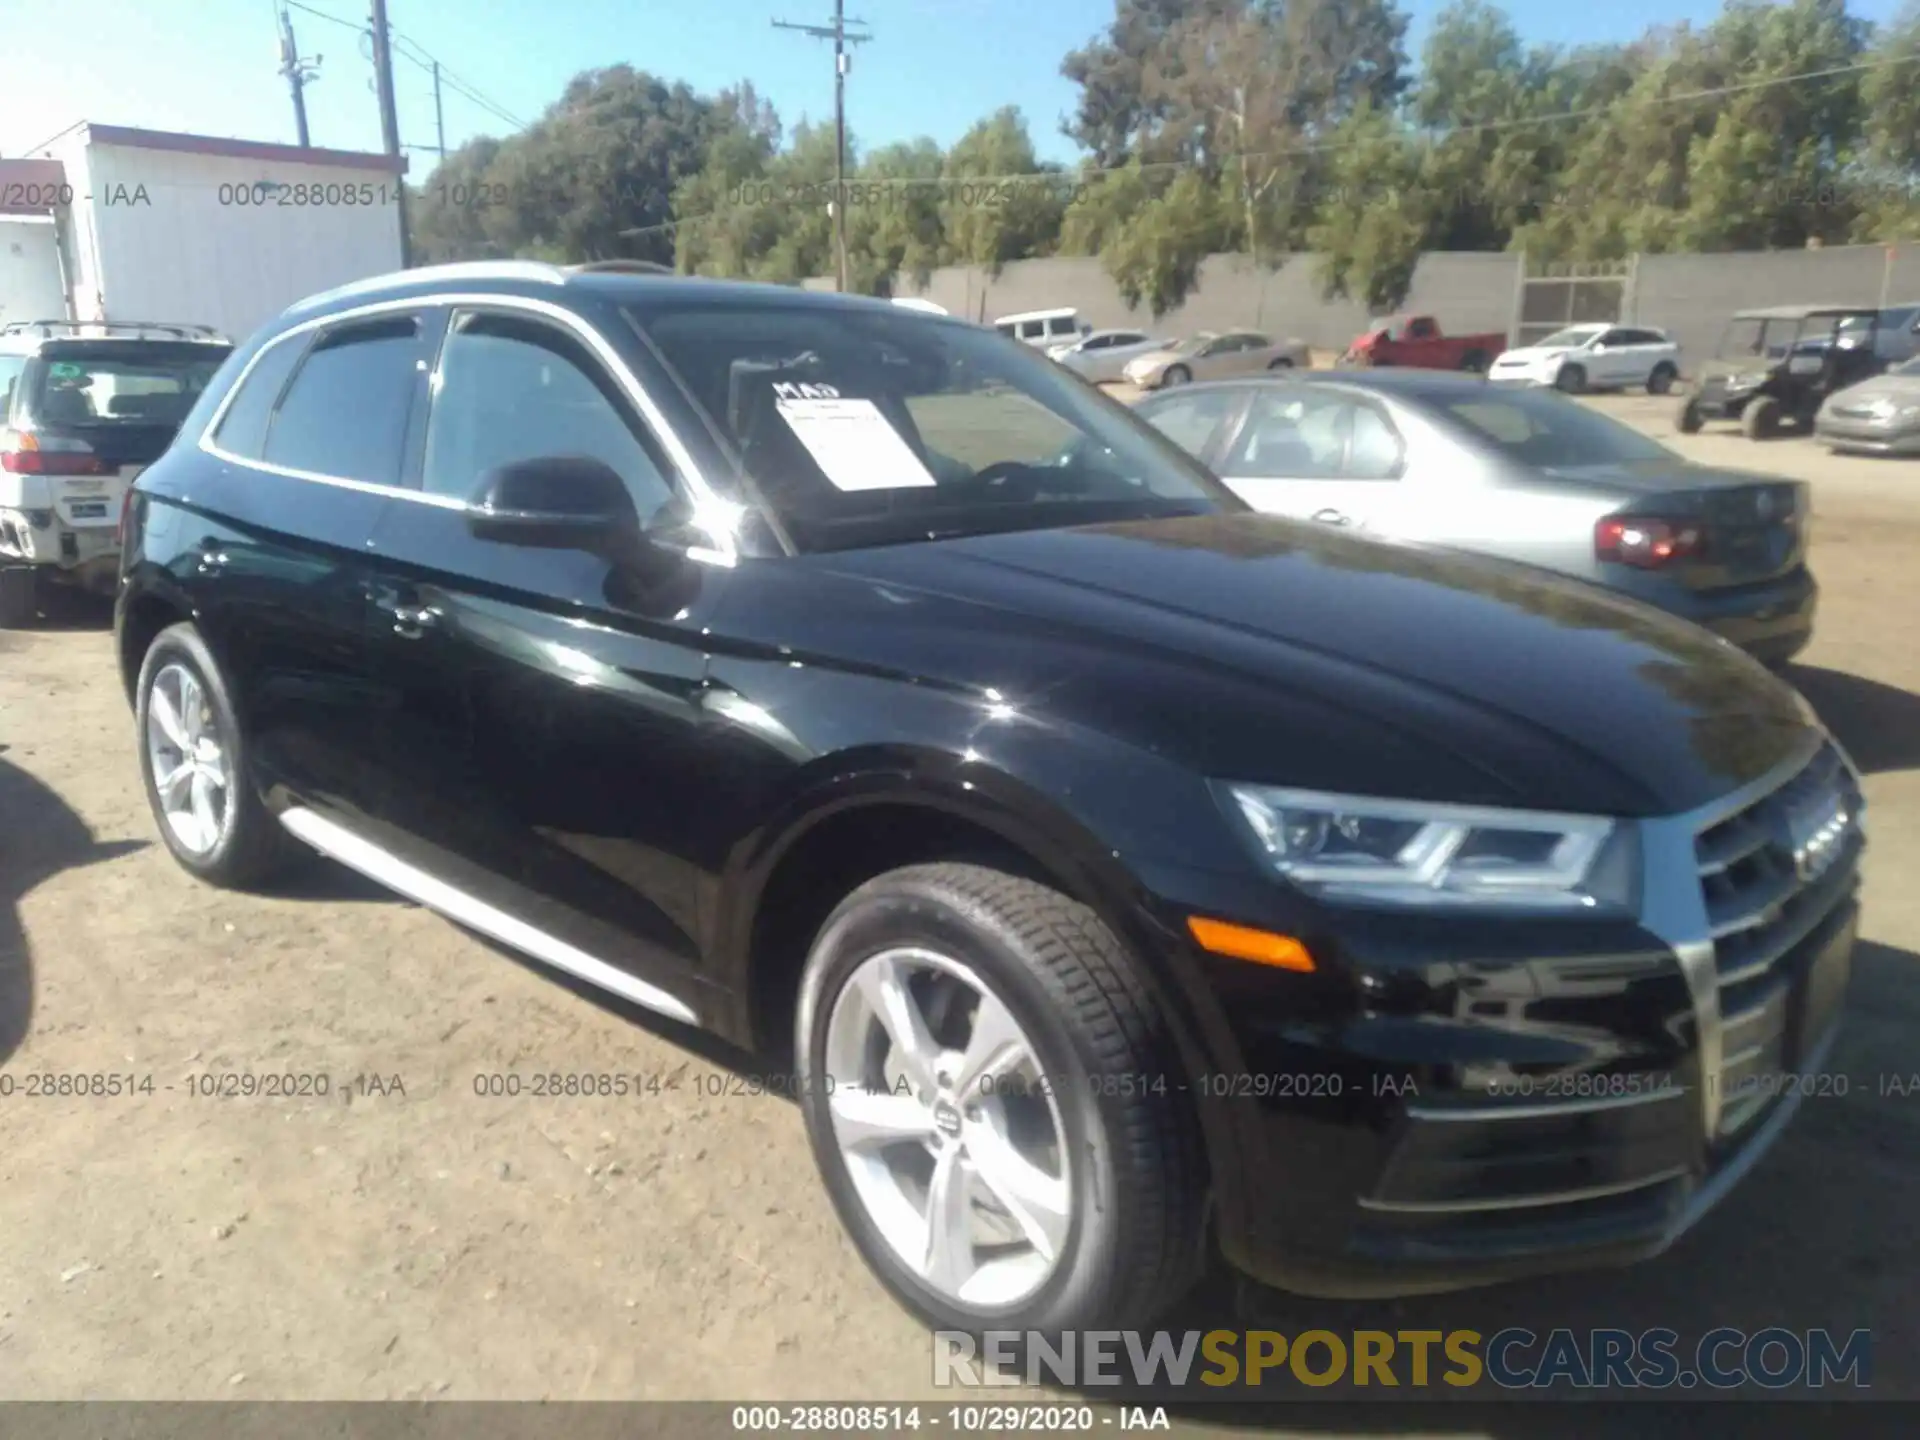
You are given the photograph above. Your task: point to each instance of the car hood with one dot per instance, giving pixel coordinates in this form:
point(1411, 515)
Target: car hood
point(1261, 649)
point(1899, 389)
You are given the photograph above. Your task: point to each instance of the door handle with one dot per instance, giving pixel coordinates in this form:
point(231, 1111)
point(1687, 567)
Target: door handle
point(410, 621)
point(1332, 517)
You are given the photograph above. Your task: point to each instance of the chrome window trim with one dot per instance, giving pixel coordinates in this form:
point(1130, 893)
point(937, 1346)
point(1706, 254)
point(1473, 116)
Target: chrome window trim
point(1525, 1202)
point(706, 502)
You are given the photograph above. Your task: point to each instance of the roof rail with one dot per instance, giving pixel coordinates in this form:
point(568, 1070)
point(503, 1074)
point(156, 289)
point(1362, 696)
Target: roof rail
point(620, 267)
point(455, 270)
point(50, 329)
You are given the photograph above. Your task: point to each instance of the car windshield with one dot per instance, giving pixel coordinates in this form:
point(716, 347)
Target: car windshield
point(857, 428)
point(136, 383)
point(1544, 430)
point(1571, 337)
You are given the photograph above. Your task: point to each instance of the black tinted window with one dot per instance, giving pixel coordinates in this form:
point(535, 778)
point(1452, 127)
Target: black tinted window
point(243, 430)
point(518, 389)
point(346, 411)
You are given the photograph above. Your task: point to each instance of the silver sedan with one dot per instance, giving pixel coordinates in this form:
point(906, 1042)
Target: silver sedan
point(1446, 459)
point(1880, 416)
point(1103, 356)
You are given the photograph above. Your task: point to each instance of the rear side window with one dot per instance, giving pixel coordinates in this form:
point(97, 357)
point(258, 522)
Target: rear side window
point(1063, 325)
point(243, 429)
point(346, 412)
point(10, 368)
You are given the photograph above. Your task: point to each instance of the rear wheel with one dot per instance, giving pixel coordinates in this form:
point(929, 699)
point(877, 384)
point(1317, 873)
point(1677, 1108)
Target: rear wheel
point(19, 597)
point(1660, 382)
point(1762, 418)
point(1572, 379)
point(1689, 421)
point(1283, 363)
point(194, 760)
point(1474, 362)
point(941, 1011)
point(1176, 375)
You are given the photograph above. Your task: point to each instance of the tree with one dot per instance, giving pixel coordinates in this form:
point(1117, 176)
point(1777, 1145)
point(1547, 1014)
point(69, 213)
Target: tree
point(999, 202)
point(447, 215)
point(1889, 208)
point(897, 226)
point(1150, 229)
point(1374, 216)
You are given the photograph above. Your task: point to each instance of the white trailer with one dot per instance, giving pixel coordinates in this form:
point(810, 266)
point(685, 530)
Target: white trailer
point(158, 226)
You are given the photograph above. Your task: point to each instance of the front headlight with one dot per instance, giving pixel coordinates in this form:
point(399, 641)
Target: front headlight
point(1405, 852)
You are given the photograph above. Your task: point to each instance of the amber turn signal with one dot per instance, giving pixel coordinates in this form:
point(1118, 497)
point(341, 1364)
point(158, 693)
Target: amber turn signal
point(1262, 947)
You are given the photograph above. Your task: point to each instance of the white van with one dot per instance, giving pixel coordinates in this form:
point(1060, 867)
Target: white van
point(1043, 327)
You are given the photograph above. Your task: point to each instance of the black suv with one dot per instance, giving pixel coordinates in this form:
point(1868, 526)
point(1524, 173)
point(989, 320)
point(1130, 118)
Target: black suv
point(1125, 870)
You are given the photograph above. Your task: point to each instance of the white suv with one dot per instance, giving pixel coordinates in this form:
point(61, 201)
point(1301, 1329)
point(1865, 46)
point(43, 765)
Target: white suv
point(1594, 357)
point(84, 408)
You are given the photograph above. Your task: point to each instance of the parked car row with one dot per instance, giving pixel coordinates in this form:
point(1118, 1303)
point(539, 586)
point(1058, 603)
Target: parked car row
point(867, 690)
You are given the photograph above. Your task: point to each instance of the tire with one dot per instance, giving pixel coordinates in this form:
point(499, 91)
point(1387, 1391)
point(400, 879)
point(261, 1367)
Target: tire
point(1761, 419)
point(1474, 362)
point(1283, 363)
point(1132, 1191)
point(1175, 375)
point(247, 845)
point(1660, 382)
point(1572, 380)
point(19, 597)
point(1689, 421)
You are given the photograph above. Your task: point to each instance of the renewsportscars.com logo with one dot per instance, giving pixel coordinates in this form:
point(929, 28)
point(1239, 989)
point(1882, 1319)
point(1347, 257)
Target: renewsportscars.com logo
point(1511, 1359)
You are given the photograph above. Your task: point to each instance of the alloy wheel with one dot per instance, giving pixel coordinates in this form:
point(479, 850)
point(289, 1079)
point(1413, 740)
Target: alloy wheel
point(948, 1127)
point(191, 775)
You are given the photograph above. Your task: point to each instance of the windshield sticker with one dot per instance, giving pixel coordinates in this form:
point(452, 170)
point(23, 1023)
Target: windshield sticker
point(850, 440)
point(65, 370)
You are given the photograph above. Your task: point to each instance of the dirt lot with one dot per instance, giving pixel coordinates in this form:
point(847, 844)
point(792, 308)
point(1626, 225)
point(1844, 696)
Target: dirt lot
point(434, 1243)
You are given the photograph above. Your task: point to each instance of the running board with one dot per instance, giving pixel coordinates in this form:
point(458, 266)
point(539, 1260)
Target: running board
point(338, 843)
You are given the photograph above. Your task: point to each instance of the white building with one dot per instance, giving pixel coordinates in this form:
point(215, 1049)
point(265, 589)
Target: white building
point(159, 226)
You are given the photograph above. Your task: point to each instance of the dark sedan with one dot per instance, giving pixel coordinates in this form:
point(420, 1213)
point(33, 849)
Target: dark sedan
point(1528, 475)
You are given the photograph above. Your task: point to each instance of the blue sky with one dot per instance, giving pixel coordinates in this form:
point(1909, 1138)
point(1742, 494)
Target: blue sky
point(933, 68)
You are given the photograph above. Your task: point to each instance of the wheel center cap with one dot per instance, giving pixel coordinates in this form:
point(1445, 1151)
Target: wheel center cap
point(946, 1119)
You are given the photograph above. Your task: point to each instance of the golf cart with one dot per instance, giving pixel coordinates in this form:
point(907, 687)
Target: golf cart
point(1776, 366)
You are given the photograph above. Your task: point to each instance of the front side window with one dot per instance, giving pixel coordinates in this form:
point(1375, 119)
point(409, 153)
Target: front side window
point(1572, 338)
point(243, 429)
point(1291, 436)
point(512, 388)
point(1375, 451)
point(345, 414)
point(857, 429)
point(1189, 420)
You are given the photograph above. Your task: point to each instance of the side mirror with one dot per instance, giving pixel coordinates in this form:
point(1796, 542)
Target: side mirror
point(557, 502)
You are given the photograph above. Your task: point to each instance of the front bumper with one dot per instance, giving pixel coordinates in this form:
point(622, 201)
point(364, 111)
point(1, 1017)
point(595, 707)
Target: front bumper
point(1458, 1102)
point(1714, 403)
point(1868, 437)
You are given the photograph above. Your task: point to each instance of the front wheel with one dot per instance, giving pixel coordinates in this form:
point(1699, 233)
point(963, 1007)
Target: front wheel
point(194, 760)
point(1283, 363)
point(993, 1102)
point(1689, 420)
point(1570, 380)
point(1176, 375)
point(1762, 418)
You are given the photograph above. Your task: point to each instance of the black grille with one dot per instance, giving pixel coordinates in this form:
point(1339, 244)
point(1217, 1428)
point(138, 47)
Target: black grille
point(1772, 875)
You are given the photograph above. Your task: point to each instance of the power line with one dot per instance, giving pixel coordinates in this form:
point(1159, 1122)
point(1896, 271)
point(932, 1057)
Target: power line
point(425, 59)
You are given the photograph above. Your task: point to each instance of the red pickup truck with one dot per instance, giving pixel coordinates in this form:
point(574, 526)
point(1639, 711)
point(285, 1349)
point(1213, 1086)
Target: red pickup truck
point(1416, 341)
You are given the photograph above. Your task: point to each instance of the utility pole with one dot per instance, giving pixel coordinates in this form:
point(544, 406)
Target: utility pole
point(389, 120)
point(298, 73)
point(439, 120)
point(842, 62)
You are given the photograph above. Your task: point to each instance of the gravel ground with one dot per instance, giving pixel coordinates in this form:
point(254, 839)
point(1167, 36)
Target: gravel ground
point(403, 1237)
